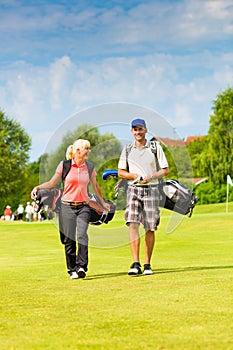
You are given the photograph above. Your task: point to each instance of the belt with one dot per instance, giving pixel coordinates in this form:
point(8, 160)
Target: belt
point(75, 204)
point(144, 186)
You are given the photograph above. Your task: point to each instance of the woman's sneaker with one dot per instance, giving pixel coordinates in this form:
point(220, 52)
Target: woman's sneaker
point(81, 273)
point(147, 270)
point(73, 275)
point(135, 269)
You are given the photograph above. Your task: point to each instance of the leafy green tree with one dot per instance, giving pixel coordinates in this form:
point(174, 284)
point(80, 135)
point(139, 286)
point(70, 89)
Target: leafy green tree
point(217, 157)
point(31, 179)
point(180, 165)
point(197, 149)
point(14, 154)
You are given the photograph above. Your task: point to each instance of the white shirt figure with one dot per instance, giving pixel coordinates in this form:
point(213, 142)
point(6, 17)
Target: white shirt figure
point(29, 212)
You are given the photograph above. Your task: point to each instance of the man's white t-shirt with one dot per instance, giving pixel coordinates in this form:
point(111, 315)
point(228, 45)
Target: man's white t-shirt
point(142, 161)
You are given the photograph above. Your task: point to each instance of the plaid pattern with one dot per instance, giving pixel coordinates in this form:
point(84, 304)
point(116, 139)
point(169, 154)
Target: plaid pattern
point(142, 206)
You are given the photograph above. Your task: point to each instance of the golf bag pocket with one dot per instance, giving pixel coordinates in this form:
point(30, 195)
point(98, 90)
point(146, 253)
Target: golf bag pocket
point(176, 197)
point(50, 198)
point(98, 214)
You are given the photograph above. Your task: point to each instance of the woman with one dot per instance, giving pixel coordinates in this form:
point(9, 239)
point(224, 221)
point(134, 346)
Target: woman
point(74, 215)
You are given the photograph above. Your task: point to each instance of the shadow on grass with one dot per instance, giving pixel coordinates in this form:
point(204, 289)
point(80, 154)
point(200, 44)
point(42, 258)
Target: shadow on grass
point(192, 268)
point(160, 271)
point(105, 275)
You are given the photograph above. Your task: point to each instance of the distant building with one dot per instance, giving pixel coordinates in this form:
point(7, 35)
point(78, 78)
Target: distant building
point(190, 139)
point(170, 142)
point(177, 143)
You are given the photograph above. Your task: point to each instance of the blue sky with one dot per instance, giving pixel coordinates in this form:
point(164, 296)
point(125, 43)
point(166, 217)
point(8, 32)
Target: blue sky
point(61, 57)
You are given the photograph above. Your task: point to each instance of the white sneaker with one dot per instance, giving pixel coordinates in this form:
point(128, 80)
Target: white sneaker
point(147, 270)
point(135, 269)
point(81, 273)
point(73, 275)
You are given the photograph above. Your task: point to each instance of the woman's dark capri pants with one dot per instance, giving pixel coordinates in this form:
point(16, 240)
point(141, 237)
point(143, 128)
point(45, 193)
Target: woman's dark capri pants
point(73, 225)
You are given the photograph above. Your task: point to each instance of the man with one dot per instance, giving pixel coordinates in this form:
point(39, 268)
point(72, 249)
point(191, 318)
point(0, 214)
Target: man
point(142, 195)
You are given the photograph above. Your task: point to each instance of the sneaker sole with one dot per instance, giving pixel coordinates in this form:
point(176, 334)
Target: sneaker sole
point(148, 272)
point(134, 272)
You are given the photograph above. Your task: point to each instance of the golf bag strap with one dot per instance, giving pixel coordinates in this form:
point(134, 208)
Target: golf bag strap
point(153, 147)
point(128, 149)
point(67, 166)
point(90, 167)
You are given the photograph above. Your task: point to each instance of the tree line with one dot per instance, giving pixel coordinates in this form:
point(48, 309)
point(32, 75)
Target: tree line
point(210, 157)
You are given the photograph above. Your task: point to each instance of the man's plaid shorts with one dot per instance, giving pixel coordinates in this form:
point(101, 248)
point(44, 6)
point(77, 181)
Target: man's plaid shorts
point(142, 206)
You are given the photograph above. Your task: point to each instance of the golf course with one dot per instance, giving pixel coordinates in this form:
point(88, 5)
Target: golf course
point(186, 304)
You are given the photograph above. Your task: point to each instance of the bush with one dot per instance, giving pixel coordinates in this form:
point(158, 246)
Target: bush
point(211, 193)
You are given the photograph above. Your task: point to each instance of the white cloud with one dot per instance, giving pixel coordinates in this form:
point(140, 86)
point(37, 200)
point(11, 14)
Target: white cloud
point(173, 57)
point(43, 97)
point(205, 19)
point(59, 76)
point(145, 27)
point(224, 74)
point(182, 115)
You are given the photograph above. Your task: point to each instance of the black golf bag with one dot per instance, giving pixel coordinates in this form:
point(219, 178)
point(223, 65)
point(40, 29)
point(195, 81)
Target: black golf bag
point(173, 195)
point(52, 199)
point(98, 214)
point(49, 198)
point(176, 197)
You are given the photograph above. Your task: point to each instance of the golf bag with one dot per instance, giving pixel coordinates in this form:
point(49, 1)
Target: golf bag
point(176, 197)
point(173, 195)
point(52, 199)
point(98, 214)
point(49, 198)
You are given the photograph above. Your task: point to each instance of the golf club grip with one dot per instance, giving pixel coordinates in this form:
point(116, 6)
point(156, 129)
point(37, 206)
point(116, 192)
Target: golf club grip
point(109, 172)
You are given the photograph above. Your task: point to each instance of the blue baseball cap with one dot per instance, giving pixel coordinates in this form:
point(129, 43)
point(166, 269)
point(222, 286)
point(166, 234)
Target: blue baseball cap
point(138, 122)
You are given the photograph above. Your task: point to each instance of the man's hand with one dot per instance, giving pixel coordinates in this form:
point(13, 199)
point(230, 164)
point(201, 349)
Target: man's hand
point(145, 180)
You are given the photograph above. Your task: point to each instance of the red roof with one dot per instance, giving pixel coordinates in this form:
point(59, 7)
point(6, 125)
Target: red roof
point(189, 139)
point(177, 143)
point(170, 142)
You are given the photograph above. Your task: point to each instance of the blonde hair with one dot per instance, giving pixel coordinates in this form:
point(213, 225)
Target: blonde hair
point(78, 144)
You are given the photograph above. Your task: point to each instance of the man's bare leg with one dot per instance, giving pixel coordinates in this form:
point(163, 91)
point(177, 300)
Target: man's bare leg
point(134, 239)
point(149, 245)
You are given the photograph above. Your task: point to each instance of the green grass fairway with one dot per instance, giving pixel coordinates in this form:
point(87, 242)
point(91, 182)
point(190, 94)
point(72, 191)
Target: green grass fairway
point(186, 304)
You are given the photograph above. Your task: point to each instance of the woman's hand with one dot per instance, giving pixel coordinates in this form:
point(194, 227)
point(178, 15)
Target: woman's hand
point(34, 192)
point(106, 206)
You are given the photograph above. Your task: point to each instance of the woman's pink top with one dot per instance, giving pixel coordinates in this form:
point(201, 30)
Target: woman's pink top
point(75, 183)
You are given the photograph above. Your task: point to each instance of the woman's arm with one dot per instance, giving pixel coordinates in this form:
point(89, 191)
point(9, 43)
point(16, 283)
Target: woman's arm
point(98, 192)
point(49, 184)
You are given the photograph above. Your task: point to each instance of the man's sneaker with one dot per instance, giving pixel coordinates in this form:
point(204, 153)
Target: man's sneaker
point(135, 269)
point(147, 270)
point(81, 273)
point(73, 275)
